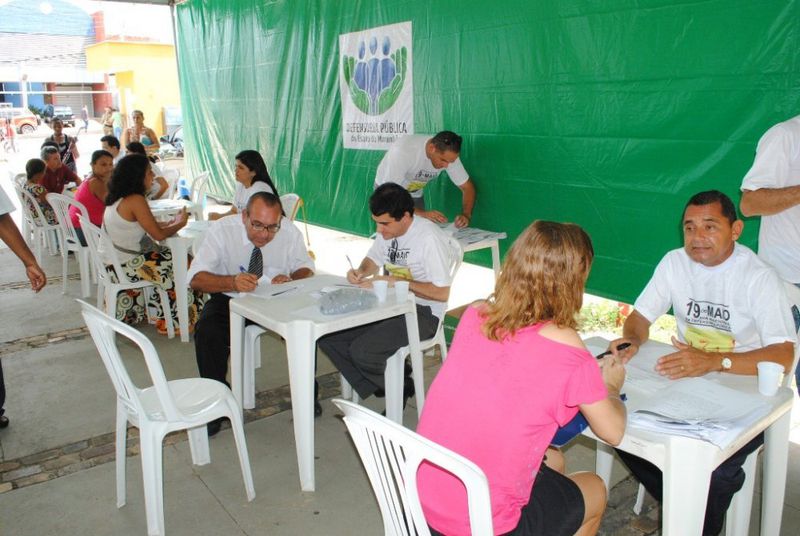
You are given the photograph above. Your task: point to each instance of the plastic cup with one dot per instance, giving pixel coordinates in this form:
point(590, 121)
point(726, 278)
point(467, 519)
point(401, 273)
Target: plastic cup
point(380, 288)
point(769, 377)
point(401, 291)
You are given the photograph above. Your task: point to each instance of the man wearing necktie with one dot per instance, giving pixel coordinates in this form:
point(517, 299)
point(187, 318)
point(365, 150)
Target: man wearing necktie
point(272, 249)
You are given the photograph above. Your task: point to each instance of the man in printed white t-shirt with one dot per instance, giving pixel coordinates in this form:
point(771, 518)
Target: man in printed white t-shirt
point(406, 248)
point(731, 310)
point(771, 189)
point(415, 160)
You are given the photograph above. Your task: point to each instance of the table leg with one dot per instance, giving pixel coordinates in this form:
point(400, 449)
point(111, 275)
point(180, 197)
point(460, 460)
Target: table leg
point(604, 460)
point(776, 454)
point(415, 352)
point(686, 479)
point(300, 352)
point(496, 258)
point(180, 268)
point(237, 355)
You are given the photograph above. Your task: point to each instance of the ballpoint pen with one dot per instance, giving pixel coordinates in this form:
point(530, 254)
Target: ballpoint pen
point(608, 352)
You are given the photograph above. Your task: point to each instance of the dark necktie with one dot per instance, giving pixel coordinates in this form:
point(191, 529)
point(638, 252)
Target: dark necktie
point(256, 263)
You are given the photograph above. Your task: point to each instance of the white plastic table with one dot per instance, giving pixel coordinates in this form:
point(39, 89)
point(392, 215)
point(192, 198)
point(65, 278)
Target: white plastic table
point(168, 207)
point(687, 463)
point(471, 239)
point(295, 316)
point(180, 244)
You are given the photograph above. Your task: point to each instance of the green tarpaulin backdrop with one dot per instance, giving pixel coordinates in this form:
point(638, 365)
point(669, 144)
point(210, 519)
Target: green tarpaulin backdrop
point(605, 113)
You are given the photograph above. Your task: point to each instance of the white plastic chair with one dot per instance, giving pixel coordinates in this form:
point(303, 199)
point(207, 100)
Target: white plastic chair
point(392, 454)
point(198, 195)
point(70, 241)
point(291, 205)
point(394, 375)
point(171, 175)
point(108, 289)
point(166, 406)
point(43, 233)
point(737, 519)
point(18, 180)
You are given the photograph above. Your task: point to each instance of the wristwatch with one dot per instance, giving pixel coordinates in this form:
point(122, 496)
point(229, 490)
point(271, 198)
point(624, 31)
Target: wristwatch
point(726, 364)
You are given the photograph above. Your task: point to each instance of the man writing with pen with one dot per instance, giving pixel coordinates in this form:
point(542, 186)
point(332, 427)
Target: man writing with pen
point(406, 248)
point(237, 253)
point(731, 312)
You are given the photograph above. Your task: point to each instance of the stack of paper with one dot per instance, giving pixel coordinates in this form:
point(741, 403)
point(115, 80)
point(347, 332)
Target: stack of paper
point(701, 409)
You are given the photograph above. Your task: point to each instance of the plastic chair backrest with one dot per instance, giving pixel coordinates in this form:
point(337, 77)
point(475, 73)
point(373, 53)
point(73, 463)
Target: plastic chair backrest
point(103, 329)
point(61, 204)
point(18, 178)
point(101, 250)
point(392, 454)
point(199, 185)
point(291, 204)
point(793, 294)
point(458, 257)
point(171, 176)
point(30, 207)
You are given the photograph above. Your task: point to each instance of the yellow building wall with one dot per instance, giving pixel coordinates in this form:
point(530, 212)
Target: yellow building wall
point(146, 77)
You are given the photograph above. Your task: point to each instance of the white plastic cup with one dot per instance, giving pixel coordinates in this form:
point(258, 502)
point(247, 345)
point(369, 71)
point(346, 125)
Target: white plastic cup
point(380, 288)
point(401, 291)
point(769, 377)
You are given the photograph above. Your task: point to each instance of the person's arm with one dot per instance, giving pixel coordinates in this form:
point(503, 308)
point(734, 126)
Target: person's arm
point(300, 273)
point(162, 186)
point(768, 201)
point(467, 204)
point(71, 176)
point(153, 147)
point(212, 283)
point(217, 215)
point(689, 361)
point(636, 332)
point(364, 270)
point(9, 233)
point(608, 417)
point(138, 207)
point(73, 148)
point(125, 136)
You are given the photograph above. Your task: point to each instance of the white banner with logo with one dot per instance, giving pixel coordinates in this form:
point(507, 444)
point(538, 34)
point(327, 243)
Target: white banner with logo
point(376, 86)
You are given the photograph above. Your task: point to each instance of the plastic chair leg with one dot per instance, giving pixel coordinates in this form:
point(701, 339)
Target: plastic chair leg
point(250, 362)
point(241, 447)
point(737, 521)
point(86, 271)
point(64, 269)
point(441, 340)
point(637, 506)
point(167, 310)
point(347, 391)
point(152, 473)
point(198, 445)
point(121, 460)
point(603, 462)
point(394, 387)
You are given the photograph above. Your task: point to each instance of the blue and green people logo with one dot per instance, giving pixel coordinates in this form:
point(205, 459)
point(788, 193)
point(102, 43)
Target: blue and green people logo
point(375, 82)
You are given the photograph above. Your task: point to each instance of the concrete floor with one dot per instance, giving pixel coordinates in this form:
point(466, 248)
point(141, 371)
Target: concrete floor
point(60, 399)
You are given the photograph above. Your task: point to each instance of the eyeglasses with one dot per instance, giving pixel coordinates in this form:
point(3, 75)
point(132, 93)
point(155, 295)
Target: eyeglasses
point(259, 227)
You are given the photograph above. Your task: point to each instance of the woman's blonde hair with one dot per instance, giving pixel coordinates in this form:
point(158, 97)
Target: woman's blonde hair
point(543, 277)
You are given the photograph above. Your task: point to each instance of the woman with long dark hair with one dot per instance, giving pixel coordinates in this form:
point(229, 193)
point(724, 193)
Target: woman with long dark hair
point(516, 371)
point(251, 177)
point(129, 222)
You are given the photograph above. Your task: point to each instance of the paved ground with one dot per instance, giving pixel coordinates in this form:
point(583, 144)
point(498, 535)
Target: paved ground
point(56, 470)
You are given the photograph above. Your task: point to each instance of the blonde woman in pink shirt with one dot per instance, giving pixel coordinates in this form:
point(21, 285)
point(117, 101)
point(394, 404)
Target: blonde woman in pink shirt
point(516, 371)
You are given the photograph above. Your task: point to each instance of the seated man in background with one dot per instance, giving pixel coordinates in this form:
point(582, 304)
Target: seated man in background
point(56, 174)
point(409, 249)
point(111, 144)
point(269, 245)
point(415, 160)
point(731, 311)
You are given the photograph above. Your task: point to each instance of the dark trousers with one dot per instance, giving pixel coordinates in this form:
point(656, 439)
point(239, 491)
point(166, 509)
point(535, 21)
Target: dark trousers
point(361, 353)
point(726, 480)
point(2, 389)
point(212, 338)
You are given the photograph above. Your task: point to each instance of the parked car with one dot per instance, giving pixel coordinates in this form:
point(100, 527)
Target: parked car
point(23, 119)
point(61, 112)
point(172, 144)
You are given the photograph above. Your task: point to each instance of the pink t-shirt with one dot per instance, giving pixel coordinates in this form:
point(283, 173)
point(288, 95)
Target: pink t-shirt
point(498, 404)
point(94, 206)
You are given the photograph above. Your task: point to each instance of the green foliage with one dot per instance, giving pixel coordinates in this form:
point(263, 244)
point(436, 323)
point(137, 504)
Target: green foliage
point(35, 110)
point(600, 316)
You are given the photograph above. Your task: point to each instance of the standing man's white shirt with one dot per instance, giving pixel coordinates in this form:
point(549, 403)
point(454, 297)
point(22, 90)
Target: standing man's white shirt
point(226, 250)
point(777, 165)
point(406, 164)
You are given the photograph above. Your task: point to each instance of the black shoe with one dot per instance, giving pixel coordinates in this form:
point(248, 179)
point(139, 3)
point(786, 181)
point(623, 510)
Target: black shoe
point(214, 426)
point(3, 421)
point(317, 409)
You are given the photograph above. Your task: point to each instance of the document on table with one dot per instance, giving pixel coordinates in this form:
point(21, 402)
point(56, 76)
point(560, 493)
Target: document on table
point(699, 408)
